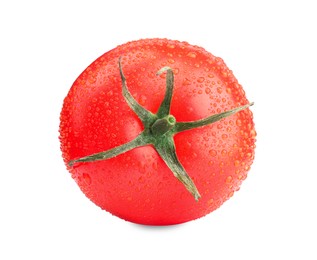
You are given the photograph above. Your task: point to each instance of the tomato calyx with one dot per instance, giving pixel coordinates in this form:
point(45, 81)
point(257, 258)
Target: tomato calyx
point(159, 130)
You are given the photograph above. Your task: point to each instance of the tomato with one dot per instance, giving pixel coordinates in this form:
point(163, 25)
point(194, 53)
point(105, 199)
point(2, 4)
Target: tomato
point(168, 171)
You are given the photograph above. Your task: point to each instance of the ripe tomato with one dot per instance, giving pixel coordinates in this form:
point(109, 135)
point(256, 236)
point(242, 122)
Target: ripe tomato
point(138, 185)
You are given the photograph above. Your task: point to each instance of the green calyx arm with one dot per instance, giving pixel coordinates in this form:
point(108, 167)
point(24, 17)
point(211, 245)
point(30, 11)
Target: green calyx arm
point(159, 130)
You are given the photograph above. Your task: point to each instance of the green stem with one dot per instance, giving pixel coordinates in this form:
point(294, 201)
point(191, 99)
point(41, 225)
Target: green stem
point(141, 140)
point(163, 125)
point(144, 115)
point(166, 149)
point(184, 126)
point(165, 106)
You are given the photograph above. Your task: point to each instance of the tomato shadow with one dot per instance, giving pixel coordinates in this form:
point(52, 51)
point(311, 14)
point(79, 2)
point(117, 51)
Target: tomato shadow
point(157, 227)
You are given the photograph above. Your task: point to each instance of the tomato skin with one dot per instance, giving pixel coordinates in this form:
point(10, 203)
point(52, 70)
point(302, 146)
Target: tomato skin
point(137, 186)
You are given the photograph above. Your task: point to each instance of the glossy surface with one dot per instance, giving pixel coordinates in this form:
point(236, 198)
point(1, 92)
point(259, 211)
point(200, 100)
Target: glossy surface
point(137, 186)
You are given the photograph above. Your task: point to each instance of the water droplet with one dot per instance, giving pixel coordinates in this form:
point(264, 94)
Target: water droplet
point(253, 134)
point(171, 46)
point(190, 109)
point(154, 166)
point(213, 152)
point(236, 163)
point(211, 201)
point(142, 100)
point(201, 79)
point(86, 178)
point(151, 75)
point(229, 179)
point(141, 179)
point(186, 82)
point(224, 136)
point(192, 54)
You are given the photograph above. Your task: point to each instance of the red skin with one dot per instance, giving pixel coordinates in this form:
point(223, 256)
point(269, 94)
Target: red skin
point(138, 186)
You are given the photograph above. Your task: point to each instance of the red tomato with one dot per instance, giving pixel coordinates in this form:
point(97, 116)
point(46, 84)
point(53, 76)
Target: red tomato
point(137, 185)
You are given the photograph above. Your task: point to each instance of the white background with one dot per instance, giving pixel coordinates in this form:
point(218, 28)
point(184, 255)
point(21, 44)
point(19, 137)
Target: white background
point(271, 48)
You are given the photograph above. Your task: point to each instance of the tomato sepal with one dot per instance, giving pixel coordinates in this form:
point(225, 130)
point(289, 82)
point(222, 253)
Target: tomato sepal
point(166, 149)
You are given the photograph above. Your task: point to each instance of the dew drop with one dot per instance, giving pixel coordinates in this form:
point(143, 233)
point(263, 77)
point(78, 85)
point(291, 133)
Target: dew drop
point(224, 136)
point(219, 90)
point(213, 152)
point(201, 79)
point(186, 82)
point(236, 163)
point(229, 179)
point(253, 134)
point(141, 179)
point(192, 54)
point(228, 90)
point(151, 75)
point(142, 100)
point(211, 201)
point(238, 122)
point(171, 46)
point(86, 178)
point(154, 166)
